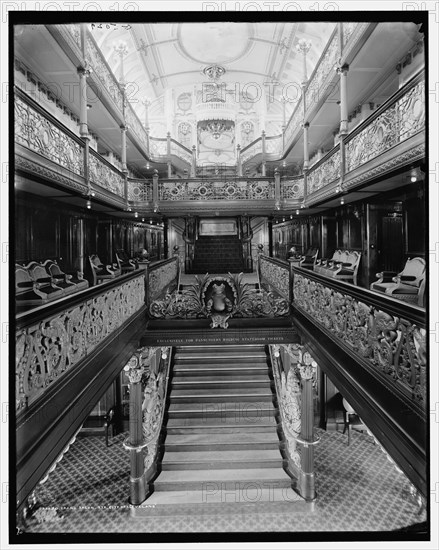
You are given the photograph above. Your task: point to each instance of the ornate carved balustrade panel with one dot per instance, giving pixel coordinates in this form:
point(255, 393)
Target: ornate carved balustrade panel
point(233, 189)
point(75, 32)
point(161, 277)
point(275, 273)
point(292, 189)
point(396, 121)
point(104, 175)
point(326, 171)
point(323, 73)
point(139, 191)
point(36, 132)
point(387, 339)
point(50, 347)
point(103, 72)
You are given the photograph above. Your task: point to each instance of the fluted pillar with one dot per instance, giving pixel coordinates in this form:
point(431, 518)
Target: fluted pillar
point(134, 443)
point(343, 72)
point(305, 146)
point(307, 368)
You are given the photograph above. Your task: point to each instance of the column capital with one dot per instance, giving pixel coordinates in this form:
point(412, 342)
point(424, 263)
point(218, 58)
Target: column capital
point(342, 69)
point(85, 70)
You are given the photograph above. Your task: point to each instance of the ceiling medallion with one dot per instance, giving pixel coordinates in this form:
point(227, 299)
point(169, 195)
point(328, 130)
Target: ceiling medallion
point(214, 72)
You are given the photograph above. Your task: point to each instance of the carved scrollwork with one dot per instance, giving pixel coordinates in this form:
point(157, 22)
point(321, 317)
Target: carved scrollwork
point(391, 345)
point(56, 344)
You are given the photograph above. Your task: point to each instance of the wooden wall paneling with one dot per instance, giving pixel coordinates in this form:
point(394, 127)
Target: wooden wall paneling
point(414, 210)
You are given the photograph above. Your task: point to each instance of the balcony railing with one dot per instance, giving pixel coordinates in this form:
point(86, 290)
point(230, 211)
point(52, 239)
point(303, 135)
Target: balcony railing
point(384, 335)
point(249, 152)
point(139, 191)
point(103, 72)
point(325, 171)
point(50, 341)
point(158, 148)
point(204, 190)
point(398, 119)
point(292, 188)
point(43, 134)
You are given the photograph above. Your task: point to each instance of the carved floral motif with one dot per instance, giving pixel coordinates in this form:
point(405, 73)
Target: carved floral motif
point(105, 176)
point(216, 190)
point(161, 278)
point(53, 346)
point(325, 173)
point(36, 132)
point(275, 275)
point(401, 120)
point(391, 345)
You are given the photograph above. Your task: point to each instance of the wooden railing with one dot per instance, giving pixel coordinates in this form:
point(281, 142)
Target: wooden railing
point(51, 340)
point(384, 335)
point(162, 277)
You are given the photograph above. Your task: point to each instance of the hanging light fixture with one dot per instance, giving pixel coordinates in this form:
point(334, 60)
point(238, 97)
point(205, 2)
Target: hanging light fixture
point(342, 200)
point(297, 212)
point(88, 204)
point(136, 215)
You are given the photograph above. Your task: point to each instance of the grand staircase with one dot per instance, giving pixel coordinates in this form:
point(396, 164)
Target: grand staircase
point(221, 434)
point(221, 254)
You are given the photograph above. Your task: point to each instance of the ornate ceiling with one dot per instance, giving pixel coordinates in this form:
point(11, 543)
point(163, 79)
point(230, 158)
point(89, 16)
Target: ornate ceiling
point(164, 56)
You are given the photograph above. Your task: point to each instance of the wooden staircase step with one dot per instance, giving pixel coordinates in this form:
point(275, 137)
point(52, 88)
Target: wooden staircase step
point(206, 395)
point(235, 440)
point(233, 479)
point(238, 459)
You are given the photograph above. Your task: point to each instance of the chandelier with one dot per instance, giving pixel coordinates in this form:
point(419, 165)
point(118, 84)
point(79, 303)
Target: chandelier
point(214, 72)
point(215, 128)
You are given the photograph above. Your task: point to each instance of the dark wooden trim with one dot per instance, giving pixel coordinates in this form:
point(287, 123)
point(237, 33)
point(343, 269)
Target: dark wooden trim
point(412, 313)
point(46, 428)
point(400, 431)
point(41, 313)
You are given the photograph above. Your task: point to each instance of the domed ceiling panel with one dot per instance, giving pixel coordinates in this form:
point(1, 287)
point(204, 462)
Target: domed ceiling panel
point(214, 42)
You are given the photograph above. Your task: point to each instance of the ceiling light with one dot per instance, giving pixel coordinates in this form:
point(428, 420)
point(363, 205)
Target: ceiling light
point(147, 166)
point(136, 215)
point(413, 179)
point(297, 212)
point(143, 219)
point(342, 200)
point(92, 194)
point(89, 204)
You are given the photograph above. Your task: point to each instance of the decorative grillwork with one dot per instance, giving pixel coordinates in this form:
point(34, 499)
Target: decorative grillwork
point(139, 191)
point(51, 347)
point(216, 190)
point(325, 67)
point(35, 131)
point(100, 68)
point(391, 345)
point(401, 120)
point(105, 176)
point(291, 189)
point(326, 172)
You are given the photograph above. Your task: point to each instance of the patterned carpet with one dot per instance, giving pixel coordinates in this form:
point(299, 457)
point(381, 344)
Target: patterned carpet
point(358, 490)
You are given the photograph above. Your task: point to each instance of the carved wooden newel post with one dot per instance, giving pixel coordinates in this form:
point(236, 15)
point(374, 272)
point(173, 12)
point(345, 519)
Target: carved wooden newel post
point(135, 369)
point(307, 368)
